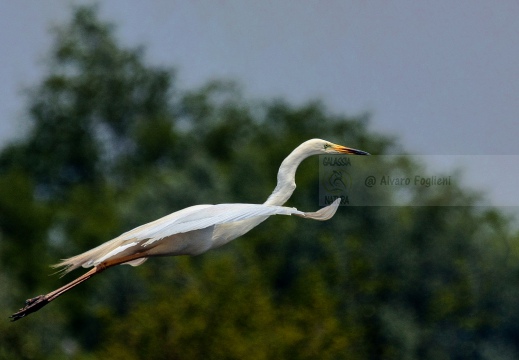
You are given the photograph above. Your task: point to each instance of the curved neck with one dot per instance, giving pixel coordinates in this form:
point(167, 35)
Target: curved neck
point(286, 176)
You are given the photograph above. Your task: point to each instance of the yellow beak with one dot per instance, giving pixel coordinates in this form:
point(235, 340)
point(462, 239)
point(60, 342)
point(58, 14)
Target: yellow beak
point(349, 151)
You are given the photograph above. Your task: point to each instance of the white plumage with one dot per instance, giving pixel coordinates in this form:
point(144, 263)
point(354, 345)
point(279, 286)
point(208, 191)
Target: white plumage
point(162, 231)
point(196, 229)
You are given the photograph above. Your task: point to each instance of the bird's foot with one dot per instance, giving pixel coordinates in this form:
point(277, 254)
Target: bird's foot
point(31, 305)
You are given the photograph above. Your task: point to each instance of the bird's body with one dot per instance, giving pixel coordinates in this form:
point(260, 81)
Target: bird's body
point(190, 231)
point(196, 229)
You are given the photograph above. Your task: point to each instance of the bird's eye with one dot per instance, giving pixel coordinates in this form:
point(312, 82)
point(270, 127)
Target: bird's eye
point(326, 146)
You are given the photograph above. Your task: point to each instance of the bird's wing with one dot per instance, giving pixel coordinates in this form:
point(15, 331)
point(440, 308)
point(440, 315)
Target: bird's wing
point(202, 216)
point(223, 214)
point(214, 215)
point(186, 220)
point(190, 219)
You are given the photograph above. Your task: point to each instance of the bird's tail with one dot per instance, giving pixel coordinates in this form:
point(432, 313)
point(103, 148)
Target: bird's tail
point(67, 265)
point(85, 259)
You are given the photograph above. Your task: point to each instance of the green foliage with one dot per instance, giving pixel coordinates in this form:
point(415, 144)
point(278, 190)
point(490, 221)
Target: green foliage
point(113, 144)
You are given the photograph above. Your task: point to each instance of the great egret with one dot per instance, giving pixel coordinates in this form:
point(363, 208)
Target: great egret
point(195, 229)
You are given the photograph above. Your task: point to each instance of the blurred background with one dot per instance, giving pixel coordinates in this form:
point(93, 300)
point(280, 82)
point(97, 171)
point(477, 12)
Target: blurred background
point(116, 114)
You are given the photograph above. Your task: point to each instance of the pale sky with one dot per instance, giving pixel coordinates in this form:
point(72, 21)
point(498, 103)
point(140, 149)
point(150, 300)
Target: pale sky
point(442, 76)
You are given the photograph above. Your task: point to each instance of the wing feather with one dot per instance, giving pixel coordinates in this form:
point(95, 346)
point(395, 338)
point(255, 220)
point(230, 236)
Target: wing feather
point(189, 219)
point(214, 215)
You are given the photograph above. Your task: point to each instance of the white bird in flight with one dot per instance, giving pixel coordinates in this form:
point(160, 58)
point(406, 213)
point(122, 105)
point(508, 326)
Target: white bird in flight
point(196, 229)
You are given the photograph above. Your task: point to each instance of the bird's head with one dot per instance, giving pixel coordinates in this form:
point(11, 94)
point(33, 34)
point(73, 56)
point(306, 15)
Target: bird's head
point(323, 146)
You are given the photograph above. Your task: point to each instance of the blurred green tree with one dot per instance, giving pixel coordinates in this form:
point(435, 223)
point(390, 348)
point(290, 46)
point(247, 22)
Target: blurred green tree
point(113, 144)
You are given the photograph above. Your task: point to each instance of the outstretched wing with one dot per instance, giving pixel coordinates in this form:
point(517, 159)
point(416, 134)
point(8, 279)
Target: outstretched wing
point(214, 215)
point(192, 218)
